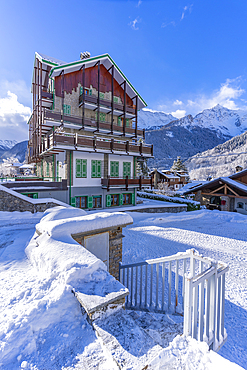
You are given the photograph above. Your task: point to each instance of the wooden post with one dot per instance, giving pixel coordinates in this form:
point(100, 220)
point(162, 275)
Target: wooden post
point(83, 96)
point(112, 97)
point(98, 96)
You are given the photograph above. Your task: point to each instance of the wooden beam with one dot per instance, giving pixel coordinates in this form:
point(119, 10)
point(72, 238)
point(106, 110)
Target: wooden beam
point(237, 195)
point(217, 189)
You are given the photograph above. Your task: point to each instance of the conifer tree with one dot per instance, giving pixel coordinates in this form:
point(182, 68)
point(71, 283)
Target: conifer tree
point(178, 165)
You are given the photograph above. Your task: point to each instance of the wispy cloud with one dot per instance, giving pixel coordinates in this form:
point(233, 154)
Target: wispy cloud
point(229, 95)
point(187, 8)
point(139, 3)
point(133, 24)
point(177, 102)
point(172, 23)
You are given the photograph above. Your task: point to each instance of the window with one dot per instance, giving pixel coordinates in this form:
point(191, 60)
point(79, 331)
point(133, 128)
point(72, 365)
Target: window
point(47, 169)
point(119, 121)
point(97, 201)
point(95, 169)
point(66, 109)
point(240, 205)
point(81, 168)
point(81, 202)
point(127, 198)
point(115, 98)
point(126, 169)
point(31, 195)
point(102, 116)
point(114, 200)
point(114, 169)
point(101, 95)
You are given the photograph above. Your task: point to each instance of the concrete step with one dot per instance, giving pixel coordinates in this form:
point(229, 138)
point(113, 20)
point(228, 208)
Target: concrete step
point(162, 328)
point(129, 345)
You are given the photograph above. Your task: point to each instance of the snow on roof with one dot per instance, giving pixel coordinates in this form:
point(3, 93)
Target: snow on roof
point(239, 174)
point(171, 176)
point(234, 183)
point(45, 58)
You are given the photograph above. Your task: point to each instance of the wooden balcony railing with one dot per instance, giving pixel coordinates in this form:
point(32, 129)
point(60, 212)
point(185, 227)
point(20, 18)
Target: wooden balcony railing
point(103, 126)
point(51, 141)
point(126, 182)
point(107, 103)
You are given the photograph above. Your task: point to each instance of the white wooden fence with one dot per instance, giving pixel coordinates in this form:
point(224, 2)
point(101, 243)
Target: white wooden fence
point(185, 283)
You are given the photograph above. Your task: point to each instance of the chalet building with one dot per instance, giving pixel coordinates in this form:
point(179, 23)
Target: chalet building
point(224, 193)
point(83, 131)
point(175, 179)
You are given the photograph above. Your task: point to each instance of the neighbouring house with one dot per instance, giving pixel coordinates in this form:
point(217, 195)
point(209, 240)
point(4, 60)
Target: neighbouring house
point(83, 131)
point(174, 179)
point(225, 193)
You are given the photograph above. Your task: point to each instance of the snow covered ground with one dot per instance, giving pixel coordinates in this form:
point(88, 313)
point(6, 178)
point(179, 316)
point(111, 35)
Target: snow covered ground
point(42, 326)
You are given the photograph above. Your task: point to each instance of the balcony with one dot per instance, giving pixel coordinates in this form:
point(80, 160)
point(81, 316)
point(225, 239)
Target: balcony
point(64, 141)
point(54, 118)
point(47, 99)
point(111, 182)
point(92, 99)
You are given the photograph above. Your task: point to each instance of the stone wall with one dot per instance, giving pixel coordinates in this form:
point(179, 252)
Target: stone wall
point(11, 203)
point(115, 248)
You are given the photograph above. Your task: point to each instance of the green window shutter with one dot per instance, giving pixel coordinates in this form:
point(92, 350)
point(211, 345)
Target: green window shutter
point(35, 196)
point(108, 200)
point(120, 199)
point(124, 169)
point(101, 95)
point(133, 198)
point(117, 169)
point(112, 168)
point(119, 121)
point(73, 202)
point(81, 91)
point(115, 98)
point(90, 91)
point(68, 109)
point(98, 169)
point(90, 202)
point(78, 169)
point(93, 168)
point(127, 122)
point(84, 168)
point(129, 169)
point(57, 170)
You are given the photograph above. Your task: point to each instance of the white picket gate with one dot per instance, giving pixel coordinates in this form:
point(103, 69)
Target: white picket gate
point(184, 283)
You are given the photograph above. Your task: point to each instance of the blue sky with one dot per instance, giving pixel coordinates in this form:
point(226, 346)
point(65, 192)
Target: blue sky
point(181, 56)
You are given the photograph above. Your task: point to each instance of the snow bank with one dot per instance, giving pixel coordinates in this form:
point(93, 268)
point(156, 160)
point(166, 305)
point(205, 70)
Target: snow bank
point(42, 297)
point(188, 353)
point(52, 250)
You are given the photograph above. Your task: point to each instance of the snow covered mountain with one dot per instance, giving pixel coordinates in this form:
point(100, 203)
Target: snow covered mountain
point(219, 161)
point(7, 144)
point(151, 119)
point(17, 150)
point(190, 135)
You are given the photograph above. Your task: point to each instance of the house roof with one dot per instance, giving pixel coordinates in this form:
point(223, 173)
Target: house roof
point(221, 180)
point(55, 67)
point(238, 174)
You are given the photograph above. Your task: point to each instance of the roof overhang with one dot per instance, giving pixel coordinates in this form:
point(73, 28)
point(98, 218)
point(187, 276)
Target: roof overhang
point(108, 62)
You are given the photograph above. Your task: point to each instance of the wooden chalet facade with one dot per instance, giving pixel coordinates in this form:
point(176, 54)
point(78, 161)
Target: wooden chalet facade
point(83, 129)
point(224, 193)
point(174, 179)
